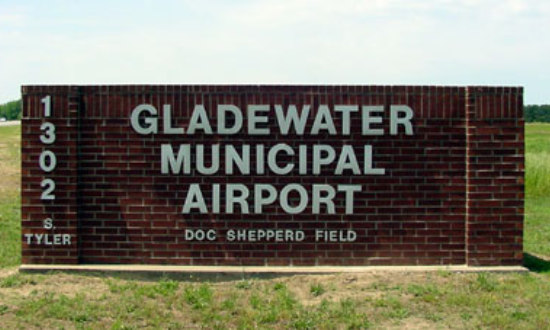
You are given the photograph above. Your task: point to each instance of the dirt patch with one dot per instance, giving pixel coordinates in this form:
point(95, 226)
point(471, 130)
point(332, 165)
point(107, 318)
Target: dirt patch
point(338, 287)
point(59, 283)
point(5, 272)
point(411, 323)
point(70, 285)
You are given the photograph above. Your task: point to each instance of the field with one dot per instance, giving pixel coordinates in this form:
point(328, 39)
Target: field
point(537, 188)
point(378, 300)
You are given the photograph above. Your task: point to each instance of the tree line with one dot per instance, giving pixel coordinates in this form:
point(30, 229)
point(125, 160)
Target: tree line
point(537, 113)
point(532, 113)
point(11, 110)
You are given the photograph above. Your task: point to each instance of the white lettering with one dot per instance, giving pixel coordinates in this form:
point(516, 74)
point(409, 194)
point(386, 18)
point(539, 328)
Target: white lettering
point(242, 161)
point(232, 198)
point(177, 165)
point(47, 239)
point(223, 109)
point(323, 120)
point(194, 200)
point(319, 199)
point(167, 120)
point(319, 160)
point(47, 161)
point(151, 123)
point(199, 120)
point(302, 200)
point(369, 118)
point(272, 159)
point(215, 163)
point(260, 200)
point(346, 111)
point(347, 161)
point(395, 119)
point(254, 119)
point(349, 190)
point(368, 163)
point(292, 118)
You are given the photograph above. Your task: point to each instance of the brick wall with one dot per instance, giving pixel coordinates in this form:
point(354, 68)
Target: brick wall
point(495, 176)
point(452, 192)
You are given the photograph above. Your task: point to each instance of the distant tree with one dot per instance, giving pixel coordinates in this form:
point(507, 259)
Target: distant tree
point(537, 113)
point(11, 110)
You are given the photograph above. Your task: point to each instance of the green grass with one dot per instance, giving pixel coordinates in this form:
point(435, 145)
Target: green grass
point(537, 226)
point(10, 224)
point(317, 289)
point(10, 211)
point(486, 300)
point(425, 300)
point(537, 160)
point(537, 189)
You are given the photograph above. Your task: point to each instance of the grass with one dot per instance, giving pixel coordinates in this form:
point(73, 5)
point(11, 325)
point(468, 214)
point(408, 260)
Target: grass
point(507, 301)
point(317, 289)
point(397, 300)
point(10, 211)
point(537, 189)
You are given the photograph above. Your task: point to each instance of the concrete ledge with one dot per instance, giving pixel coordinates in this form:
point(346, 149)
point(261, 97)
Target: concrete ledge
point(264, 269)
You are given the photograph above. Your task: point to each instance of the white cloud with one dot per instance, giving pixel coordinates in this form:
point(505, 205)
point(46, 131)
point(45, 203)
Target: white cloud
point(345, 41)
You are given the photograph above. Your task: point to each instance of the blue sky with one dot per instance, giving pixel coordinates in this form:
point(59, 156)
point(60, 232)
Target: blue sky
point(436, 42)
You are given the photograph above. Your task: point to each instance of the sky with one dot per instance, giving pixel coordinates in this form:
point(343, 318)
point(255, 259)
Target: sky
point(394, 42)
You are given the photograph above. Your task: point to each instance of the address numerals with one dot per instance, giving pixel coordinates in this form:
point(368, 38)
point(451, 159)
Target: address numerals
point(47, 159)
point(48, 186)
point(48, 136)
point(47, 101)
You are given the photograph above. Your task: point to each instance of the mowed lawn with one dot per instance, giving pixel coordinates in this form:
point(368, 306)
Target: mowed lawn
point(10, 210)
point(379, 300)
point(537, 189)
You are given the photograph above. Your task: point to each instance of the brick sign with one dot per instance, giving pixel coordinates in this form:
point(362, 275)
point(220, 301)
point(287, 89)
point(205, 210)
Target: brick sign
point(272, 175)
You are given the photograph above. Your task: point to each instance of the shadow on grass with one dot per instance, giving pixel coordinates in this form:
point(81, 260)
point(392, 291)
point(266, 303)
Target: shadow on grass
point(536, 264)
point(194, 277)
point(151, 276)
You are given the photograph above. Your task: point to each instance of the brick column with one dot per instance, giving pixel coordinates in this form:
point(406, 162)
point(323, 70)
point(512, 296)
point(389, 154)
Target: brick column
point(49, 221)
point(495, 175)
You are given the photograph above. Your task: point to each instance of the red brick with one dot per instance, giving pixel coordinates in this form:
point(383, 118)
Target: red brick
point(122, 210)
